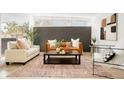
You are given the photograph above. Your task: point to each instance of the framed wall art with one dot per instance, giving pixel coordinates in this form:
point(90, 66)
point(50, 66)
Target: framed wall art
point(108, 29)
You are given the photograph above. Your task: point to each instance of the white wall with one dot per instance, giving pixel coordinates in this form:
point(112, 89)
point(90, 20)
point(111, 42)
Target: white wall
point(121, 26)
point(0, 37)
point(96, 24)
point(60, 21)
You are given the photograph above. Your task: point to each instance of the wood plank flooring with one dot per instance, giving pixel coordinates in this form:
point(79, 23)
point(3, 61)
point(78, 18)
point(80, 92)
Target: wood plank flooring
point(36, 69)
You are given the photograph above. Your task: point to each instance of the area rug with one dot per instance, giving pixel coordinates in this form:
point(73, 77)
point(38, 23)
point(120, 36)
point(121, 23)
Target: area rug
point(36, 69)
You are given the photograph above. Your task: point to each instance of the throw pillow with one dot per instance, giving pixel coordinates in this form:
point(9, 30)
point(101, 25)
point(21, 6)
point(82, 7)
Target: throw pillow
point(11, 45)
point(52, 43)
point(75, 43)
point(22, 44)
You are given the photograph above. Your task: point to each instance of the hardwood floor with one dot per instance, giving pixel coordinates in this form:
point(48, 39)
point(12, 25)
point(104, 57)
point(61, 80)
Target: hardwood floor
point(36, 69)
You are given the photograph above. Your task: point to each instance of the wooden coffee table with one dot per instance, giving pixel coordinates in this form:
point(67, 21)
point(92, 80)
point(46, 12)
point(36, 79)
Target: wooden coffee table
point(52, 57)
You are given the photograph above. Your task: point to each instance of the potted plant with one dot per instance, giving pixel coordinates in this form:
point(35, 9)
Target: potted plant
point(13, 29)
point(59, 45)
point(30, 35)
point(29, 32)
point(94, 40)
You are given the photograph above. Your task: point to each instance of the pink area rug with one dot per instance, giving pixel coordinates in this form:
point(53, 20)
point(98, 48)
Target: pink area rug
point(36, 69)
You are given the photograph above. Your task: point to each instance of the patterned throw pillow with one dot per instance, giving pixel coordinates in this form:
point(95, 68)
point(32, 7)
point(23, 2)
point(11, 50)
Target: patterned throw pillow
point(52, 43)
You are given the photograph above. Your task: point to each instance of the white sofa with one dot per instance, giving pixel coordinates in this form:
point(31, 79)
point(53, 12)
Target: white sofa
point(13, 55)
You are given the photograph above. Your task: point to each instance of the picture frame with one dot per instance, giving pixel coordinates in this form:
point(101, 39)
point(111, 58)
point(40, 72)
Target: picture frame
point(108, 30)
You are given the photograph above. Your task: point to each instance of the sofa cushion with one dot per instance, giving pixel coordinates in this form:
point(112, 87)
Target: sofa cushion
point(32, 51)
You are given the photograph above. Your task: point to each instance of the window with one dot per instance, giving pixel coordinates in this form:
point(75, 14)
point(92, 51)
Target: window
point(79, 23)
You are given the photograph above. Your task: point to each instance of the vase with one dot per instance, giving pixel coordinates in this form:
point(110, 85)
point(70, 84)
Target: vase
point(57, 49)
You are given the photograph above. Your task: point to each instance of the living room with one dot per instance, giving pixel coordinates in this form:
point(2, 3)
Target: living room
point(61, 30)
point(101, 56)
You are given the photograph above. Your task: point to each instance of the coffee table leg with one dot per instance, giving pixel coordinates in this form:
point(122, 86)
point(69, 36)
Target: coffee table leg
point(76, 57)
point(44, 58)
point(48, 56)
point(79, 59)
